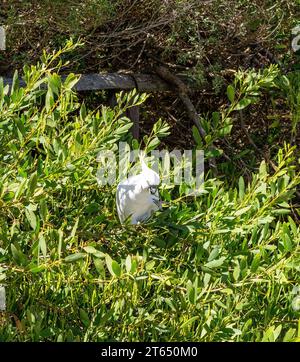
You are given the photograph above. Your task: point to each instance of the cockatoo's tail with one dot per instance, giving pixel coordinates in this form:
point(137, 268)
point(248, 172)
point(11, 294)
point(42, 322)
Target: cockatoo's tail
point(137, 197)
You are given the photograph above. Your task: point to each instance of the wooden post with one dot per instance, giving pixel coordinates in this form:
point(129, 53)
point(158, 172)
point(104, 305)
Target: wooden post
point(133, 114)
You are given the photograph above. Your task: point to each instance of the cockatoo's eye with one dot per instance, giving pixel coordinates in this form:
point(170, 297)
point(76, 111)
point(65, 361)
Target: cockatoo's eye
point(153, 190)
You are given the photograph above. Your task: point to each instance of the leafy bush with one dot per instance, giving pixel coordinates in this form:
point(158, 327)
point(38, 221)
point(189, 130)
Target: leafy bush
point(217, 267)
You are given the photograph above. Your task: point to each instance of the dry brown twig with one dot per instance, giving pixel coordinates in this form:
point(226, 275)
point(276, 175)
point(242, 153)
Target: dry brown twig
point(165, 74)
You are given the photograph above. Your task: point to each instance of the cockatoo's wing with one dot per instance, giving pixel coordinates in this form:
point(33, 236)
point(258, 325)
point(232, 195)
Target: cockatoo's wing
point(135, 196)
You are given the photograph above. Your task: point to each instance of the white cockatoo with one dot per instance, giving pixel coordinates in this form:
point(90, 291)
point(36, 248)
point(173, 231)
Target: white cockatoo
point(137, 196)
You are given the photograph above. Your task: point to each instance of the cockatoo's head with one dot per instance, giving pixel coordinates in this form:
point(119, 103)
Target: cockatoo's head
point(138, 196)
point(150, 179)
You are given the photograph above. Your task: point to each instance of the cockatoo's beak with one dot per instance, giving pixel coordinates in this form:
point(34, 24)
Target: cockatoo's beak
point(158, 203)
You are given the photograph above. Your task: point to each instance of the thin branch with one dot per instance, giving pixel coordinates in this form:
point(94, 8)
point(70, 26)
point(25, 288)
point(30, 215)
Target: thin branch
point(172, 79)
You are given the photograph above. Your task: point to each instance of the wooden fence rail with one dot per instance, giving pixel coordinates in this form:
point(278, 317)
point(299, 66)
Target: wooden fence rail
point(118, 81)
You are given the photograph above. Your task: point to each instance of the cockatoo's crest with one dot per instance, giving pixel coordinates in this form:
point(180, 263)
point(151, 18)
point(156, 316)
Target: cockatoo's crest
point(151, 177)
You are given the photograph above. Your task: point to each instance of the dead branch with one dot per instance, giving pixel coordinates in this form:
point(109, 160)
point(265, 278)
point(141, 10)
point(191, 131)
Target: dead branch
point(166, 75)
point(172, 79)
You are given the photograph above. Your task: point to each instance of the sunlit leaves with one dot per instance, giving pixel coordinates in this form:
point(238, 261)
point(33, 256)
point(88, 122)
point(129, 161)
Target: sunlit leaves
point(220, 265)
point(70, 81)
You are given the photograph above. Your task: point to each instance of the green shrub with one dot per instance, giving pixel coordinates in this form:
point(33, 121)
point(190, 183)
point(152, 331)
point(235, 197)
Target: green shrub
point(217, 267)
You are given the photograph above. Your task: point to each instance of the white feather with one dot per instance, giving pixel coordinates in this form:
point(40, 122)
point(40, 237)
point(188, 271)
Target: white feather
point(137, 196)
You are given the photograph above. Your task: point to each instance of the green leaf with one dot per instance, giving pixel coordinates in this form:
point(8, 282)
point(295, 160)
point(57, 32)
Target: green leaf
point(281, 212)
point(15, 82)
point(54, 82)
point(277, 332)
point(265, 220)
point(31, 217)
point(230, 93)
point(116, 268)
point(42, 245)
point(43, 209)
point(263, 170)
point(84, 317)
point(135, 144)
point(74, 257)
point(189, 321)
point(134, 265)
point(206, 279)
point(83, 112)
point(287, 242)
point(215, 263)
point(224, 131)
point(157, 126)
point(241, 187)
point(108, 261)
point(70, 81)
point(243, 103)
point(243, 210)
point(124, 129)
point(128, 263)
point(269, 335)
point(99, 265)
point(17, 255)
point(196, 135)
point(293, 226)
point(49, 103)
point(236, 272)
point(74, 229)
point(112, 266)
point(37, 269)
point(255, 262)
point(90, 250)
point(216, 118)
point(153, 144)
point(94, 251)
point(214, 254)
point(191, 292)
point(213, 152)
point(164, 130)
point(32, 184)
point(290, 334)
point(150, 265)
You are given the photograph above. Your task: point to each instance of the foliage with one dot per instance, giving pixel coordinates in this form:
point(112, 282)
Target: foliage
point(290, 91)
point(222, 266)
point(245, 90)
